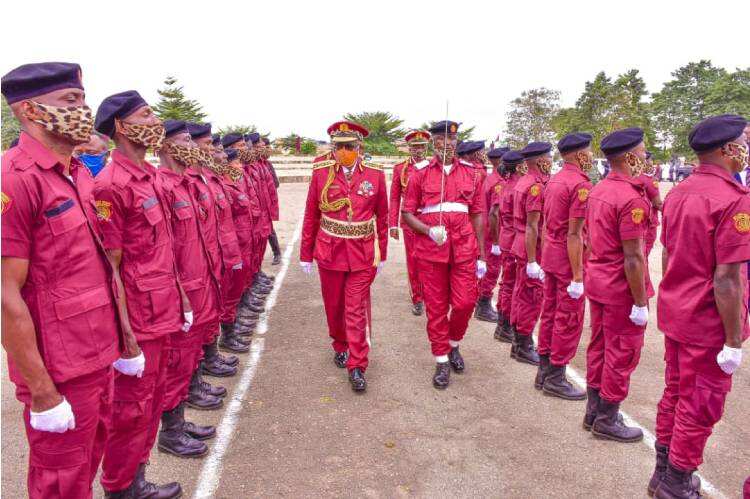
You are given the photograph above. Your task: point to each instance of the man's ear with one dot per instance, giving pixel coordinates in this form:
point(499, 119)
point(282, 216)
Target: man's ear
point(119, 128)
point(28, 110)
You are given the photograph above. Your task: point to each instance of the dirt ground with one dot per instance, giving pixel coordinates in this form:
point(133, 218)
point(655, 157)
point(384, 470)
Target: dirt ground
point(292, 427)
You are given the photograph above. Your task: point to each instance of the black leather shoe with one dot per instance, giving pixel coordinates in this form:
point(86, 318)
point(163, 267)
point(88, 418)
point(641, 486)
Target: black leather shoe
point(231, 344)
point(484, 311)
point(212, 365)
point(541, 372)
point(142, 489)
point(200, 399)
point(592, 405)
point(357, 379)
point(557, 384)
point(120, 494)
point(265, 276)
point(199, 432)
point(442, 377)
point(677, 483)
point(196, 382)
point(609, 425)
point(418, 308)
point(456, 361)
point(504, 332)
point(229, 360)
point(173, 439)
point(523, 349)
point(340, 358)
point(261, 290)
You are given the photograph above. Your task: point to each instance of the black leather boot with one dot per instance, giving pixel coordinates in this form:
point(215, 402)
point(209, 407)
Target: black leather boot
point(523, 349)
point(609, 425)
point(503, 331)
point(541, 371)
point(173, 439)
point(212, 364)
point(121, 494)
point(261, 289)
point(592, 405)
point(199, 432)
point(456, 361)
point(340, 358)
point(357, 379)
point(557, 384)
point(677, 484)
point(215, 390)
point(199, 398)
point(418, 308)
point(484, 311)
point(265, 276)
point(143, 489)
point(273, 241)
point(662, 460)
point(232, 343)
point(442, 377)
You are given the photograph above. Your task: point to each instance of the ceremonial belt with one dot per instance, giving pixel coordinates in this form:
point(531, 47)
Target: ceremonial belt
point(345, 229)
point(445, 208)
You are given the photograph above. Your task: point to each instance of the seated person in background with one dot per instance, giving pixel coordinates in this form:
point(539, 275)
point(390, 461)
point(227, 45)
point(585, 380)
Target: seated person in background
point(94, 153)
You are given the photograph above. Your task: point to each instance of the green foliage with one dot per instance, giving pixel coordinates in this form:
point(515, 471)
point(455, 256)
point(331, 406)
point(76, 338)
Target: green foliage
point(308, 148)
point(11, 127)
point(530, 117)
point(385, 129)
point(730, 94)
point(241, 129)
point(174, 105)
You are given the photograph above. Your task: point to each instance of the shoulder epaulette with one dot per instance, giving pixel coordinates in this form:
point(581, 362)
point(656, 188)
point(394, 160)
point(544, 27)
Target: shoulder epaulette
point(374, 166)
point(466, 163)
point(323, 164)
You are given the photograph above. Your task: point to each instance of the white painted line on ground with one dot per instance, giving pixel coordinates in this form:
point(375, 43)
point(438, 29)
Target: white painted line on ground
point(208, 480)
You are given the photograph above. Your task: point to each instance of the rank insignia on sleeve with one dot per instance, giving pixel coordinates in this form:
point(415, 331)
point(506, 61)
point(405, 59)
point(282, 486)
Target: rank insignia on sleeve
point(742, 222)
point(637, 215)
point(6, 201)
point(104, 210)
point(498, 188)
point(583, 195)
point(534, 191)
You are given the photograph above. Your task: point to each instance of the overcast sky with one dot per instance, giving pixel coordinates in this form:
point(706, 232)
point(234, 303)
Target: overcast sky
point(298, 66)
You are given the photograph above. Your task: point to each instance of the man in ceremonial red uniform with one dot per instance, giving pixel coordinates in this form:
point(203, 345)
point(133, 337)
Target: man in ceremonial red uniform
point(443, 206)
point(345, 229)
point(417, 141)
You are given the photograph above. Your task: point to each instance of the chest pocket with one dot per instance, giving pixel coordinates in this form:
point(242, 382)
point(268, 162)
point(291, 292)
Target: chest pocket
point(154, 218)
point(222, 207)
point(64, 217)
point(67, 227)
point(183, 214)
point(430, 193)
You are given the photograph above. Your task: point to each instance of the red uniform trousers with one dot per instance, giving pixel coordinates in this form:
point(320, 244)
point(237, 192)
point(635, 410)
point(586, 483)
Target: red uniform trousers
point(507, 283)
point(693, 401)
point(527, 300)
point(561, 322)
point(183, 355)
point(63, 465)
point(415, 285)
point(233, 284)
point(448, 286)
point(346, 297)
point(489, 281)
point(136, 413)
point(614, 350)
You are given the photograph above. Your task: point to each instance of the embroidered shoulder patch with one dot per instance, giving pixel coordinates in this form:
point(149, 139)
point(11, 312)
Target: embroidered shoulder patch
point(6, 202)
point(498, 188)
point(636, 214)
point(104, 210)
point(535, 190)
point(742, 222)
point(656, 184)
point(583, 194)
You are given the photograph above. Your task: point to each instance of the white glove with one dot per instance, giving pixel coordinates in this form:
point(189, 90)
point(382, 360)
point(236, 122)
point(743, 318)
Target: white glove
point(188, 321)
point(729, 359)
point(307, 267)
point(237, 266)
point(439, 234)
point(131, 367)
point(575, 290)
point(639, 315)
point(380, 267)
point(534, 271)
point(495, 250)
point(59, 419)
point(481, 268)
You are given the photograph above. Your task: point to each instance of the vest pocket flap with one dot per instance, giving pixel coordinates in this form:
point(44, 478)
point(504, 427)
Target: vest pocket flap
point(183, 212)
point(227, 237)
point(82, 302)
point(153, 214)
point(154, 283)
point(66, 221)
point(717, 385)
point(192, 284)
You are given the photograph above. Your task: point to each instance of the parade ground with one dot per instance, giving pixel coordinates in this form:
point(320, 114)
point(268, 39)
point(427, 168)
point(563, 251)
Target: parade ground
point(292, 427)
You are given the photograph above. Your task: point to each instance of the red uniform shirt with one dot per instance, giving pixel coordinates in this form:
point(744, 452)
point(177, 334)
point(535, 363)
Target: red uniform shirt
point(367, 192)
point(565, 198)
point(402, 172)
point(526, 199)
point(230, 249)
point(488, 189)
point(507, 223)
point(207, 210)
point(273, 195)
point(47, 220)
point(706, 222)
point(241, 212)
point(651, 188)
point(617, 211)
point(191, 256)
point(255, 177)
point(463, 185)
point(133, 218)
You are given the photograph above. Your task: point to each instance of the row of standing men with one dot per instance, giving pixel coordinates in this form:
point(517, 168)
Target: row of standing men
point(556, 240)
point(116, 287)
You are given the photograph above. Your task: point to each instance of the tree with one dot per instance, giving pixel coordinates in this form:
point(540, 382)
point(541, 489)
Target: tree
point(308, 148)
point(385, 129)
point(530, 117)
point(174, 105)
point(11, 127)
point(730, 94)
point(240, 129)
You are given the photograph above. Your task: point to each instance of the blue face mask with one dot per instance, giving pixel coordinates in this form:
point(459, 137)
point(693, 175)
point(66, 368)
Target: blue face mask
point(94, 162)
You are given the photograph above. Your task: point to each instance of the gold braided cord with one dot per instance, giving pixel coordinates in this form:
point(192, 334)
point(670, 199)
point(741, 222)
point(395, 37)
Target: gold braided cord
point(404, 179)
point(326, 206)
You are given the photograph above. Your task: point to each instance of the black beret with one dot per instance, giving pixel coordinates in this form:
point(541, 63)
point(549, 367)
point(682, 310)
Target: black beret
point(253, 137)
point(536, 149)
point(648, 155)
point(173, 127)
point(472, 146)
point(117, 107)
point(621, 141)
point(716, 131)
point(443, 126)
point(231, 138)
point(232, 154)
point(216, 139)
point(498, 152)
point(512, 157)
point(199, 130)
point(574, 141)
point(31, 80)
point(266, 140)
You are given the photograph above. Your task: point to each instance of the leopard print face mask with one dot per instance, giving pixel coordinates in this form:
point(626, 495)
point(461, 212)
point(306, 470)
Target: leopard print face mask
point(182, 154)
point(246, 155)
point(146, 135)
point(75, 122)
point(203, 157)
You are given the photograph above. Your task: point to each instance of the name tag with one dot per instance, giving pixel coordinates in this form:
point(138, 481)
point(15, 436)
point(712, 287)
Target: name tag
point(61, 208)
point(150, 202)
point(181, 204)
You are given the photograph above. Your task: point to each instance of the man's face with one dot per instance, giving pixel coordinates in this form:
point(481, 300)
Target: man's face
point(239, 145)
point(445, 144)
point(142, 116)
point(65, 97)
point(181, 139)
point(495, 162)
point(417, 150)
point(205, 143)
point(217, 152)
point(95, 147)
